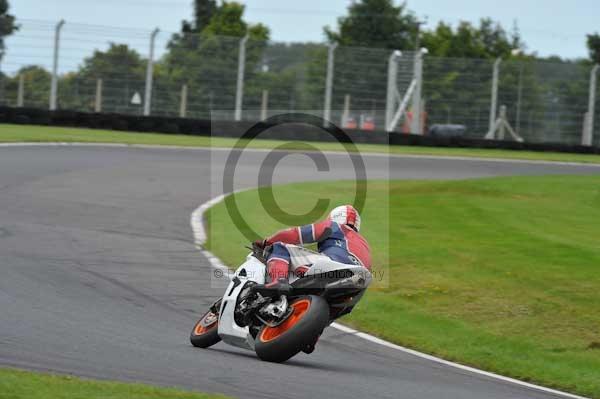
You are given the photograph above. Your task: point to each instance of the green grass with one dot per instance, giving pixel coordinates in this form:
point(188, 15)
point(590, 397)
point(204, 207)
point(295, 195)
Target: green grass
point(21, 133)
point(499, 273)
point(16, 384)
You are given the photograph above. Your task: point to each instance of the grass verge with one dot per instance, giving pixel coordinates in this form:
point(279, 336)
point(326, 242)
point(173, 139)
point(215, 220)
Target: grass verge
point(17, 384)
point(39, 134)
point(498, 273)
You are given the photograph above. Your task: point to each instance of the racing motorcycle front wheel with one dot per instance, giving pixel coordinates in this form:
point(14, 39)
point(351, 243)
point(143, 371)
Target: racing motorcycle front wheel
point(302, 328)
point(205, 332)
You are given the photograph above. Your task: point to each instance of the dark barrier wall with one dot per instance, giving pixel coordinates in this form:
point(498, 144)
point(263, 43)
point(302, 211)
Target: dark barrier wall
point(201, 127)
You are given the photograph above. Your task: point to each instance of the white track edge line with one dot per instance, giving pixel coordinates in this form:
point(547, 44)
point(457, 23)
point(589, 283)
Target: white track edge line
point(363, 154)
point(197, 224)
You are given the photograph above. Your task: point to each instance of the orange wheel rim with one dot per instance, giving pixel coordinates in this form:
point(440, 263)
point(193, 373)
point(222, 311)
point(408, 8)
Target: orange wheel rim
point(200, 329)
point(300, 308)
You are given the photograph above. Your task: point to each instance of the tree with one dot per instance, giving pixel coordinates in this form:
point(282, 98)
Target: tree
point(217, 20)
point(284, 72)
point(488, 40)
point(7, 25)
point(122, 72)
point(458, 70)
point(203, 12)
point(36, 88)
point(593, 45)
point(102, 63)
point(212, 84)
point(377, 27)
point(375, 23)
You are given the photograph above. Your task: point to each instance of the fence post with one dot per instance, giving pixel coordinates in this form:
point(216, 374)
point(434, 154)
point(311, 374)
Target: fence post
point(264, 106)
point(494, 102)
point(239, 94)
point(329, 83)
point(2, 92)
point(150, 74)
point(54, 83)
point(346, 112)
point(519, 98)
point(502, 127)
point(98, 102)
point(584, 131)
point(415, 126)
point(21, 91)
point(587, 138)
point(183, 101)
point(392, 88)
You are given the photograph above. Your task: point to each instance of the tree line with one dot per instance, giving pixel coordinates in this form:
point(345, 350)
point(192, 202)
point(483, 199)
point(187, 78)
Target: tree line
point(204, 56)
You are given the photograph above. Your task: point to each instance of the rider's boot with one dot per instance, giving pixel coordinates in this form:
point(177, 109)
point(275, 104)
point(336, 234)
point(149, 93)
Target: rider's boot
point(278, 271)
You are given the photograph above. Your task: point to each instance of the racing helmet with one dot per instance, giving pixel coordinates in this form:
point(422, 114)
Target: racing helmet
point(346, 214)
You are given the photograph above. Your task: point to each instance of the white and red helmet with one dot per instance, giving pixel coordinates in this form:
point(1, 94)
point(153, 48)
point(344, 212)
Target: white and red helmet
point(346, 214)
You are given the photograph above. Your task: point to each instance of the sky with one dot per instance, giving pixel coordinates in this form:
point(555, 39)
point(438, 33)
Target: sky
point(556, 28)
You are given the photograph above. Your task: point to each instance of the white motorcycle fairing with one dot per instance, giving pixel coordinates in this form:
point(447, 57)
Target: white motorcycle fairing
point(254, 270)
point(251, 270)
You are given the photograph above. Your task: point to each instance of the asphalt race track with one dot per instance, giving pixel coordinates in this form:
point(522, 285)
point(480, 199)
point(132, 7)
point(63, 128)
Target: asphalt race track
point(99, 276)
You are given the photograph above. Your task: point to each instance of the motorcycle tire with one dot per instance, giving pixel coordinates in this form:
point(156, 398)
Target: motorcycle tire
point(300, 330)
point(203, 336)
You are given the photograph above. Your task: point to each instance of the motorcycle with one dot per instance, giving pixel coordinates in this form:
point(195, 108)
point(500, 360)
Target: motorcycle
point(276, 324)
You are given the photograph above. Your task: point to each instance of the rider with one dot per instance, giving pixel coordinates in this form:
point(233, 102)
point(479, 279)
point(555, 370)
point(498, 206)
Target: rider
point(338, 238)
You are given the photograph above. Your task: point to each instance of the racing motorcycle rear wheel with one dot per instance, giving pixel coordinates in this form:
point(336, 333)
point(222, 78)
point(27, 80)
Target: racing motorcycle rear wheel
point(310, 315)
point(205, 332)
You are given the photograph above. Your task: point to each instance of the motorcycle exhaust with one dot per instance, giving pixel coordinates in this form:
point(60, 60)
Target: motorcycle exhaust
point(356, 281)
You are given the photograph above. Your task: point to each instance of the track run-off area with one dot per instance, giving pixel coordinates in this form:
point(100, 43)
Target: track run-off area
point(100, 276)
